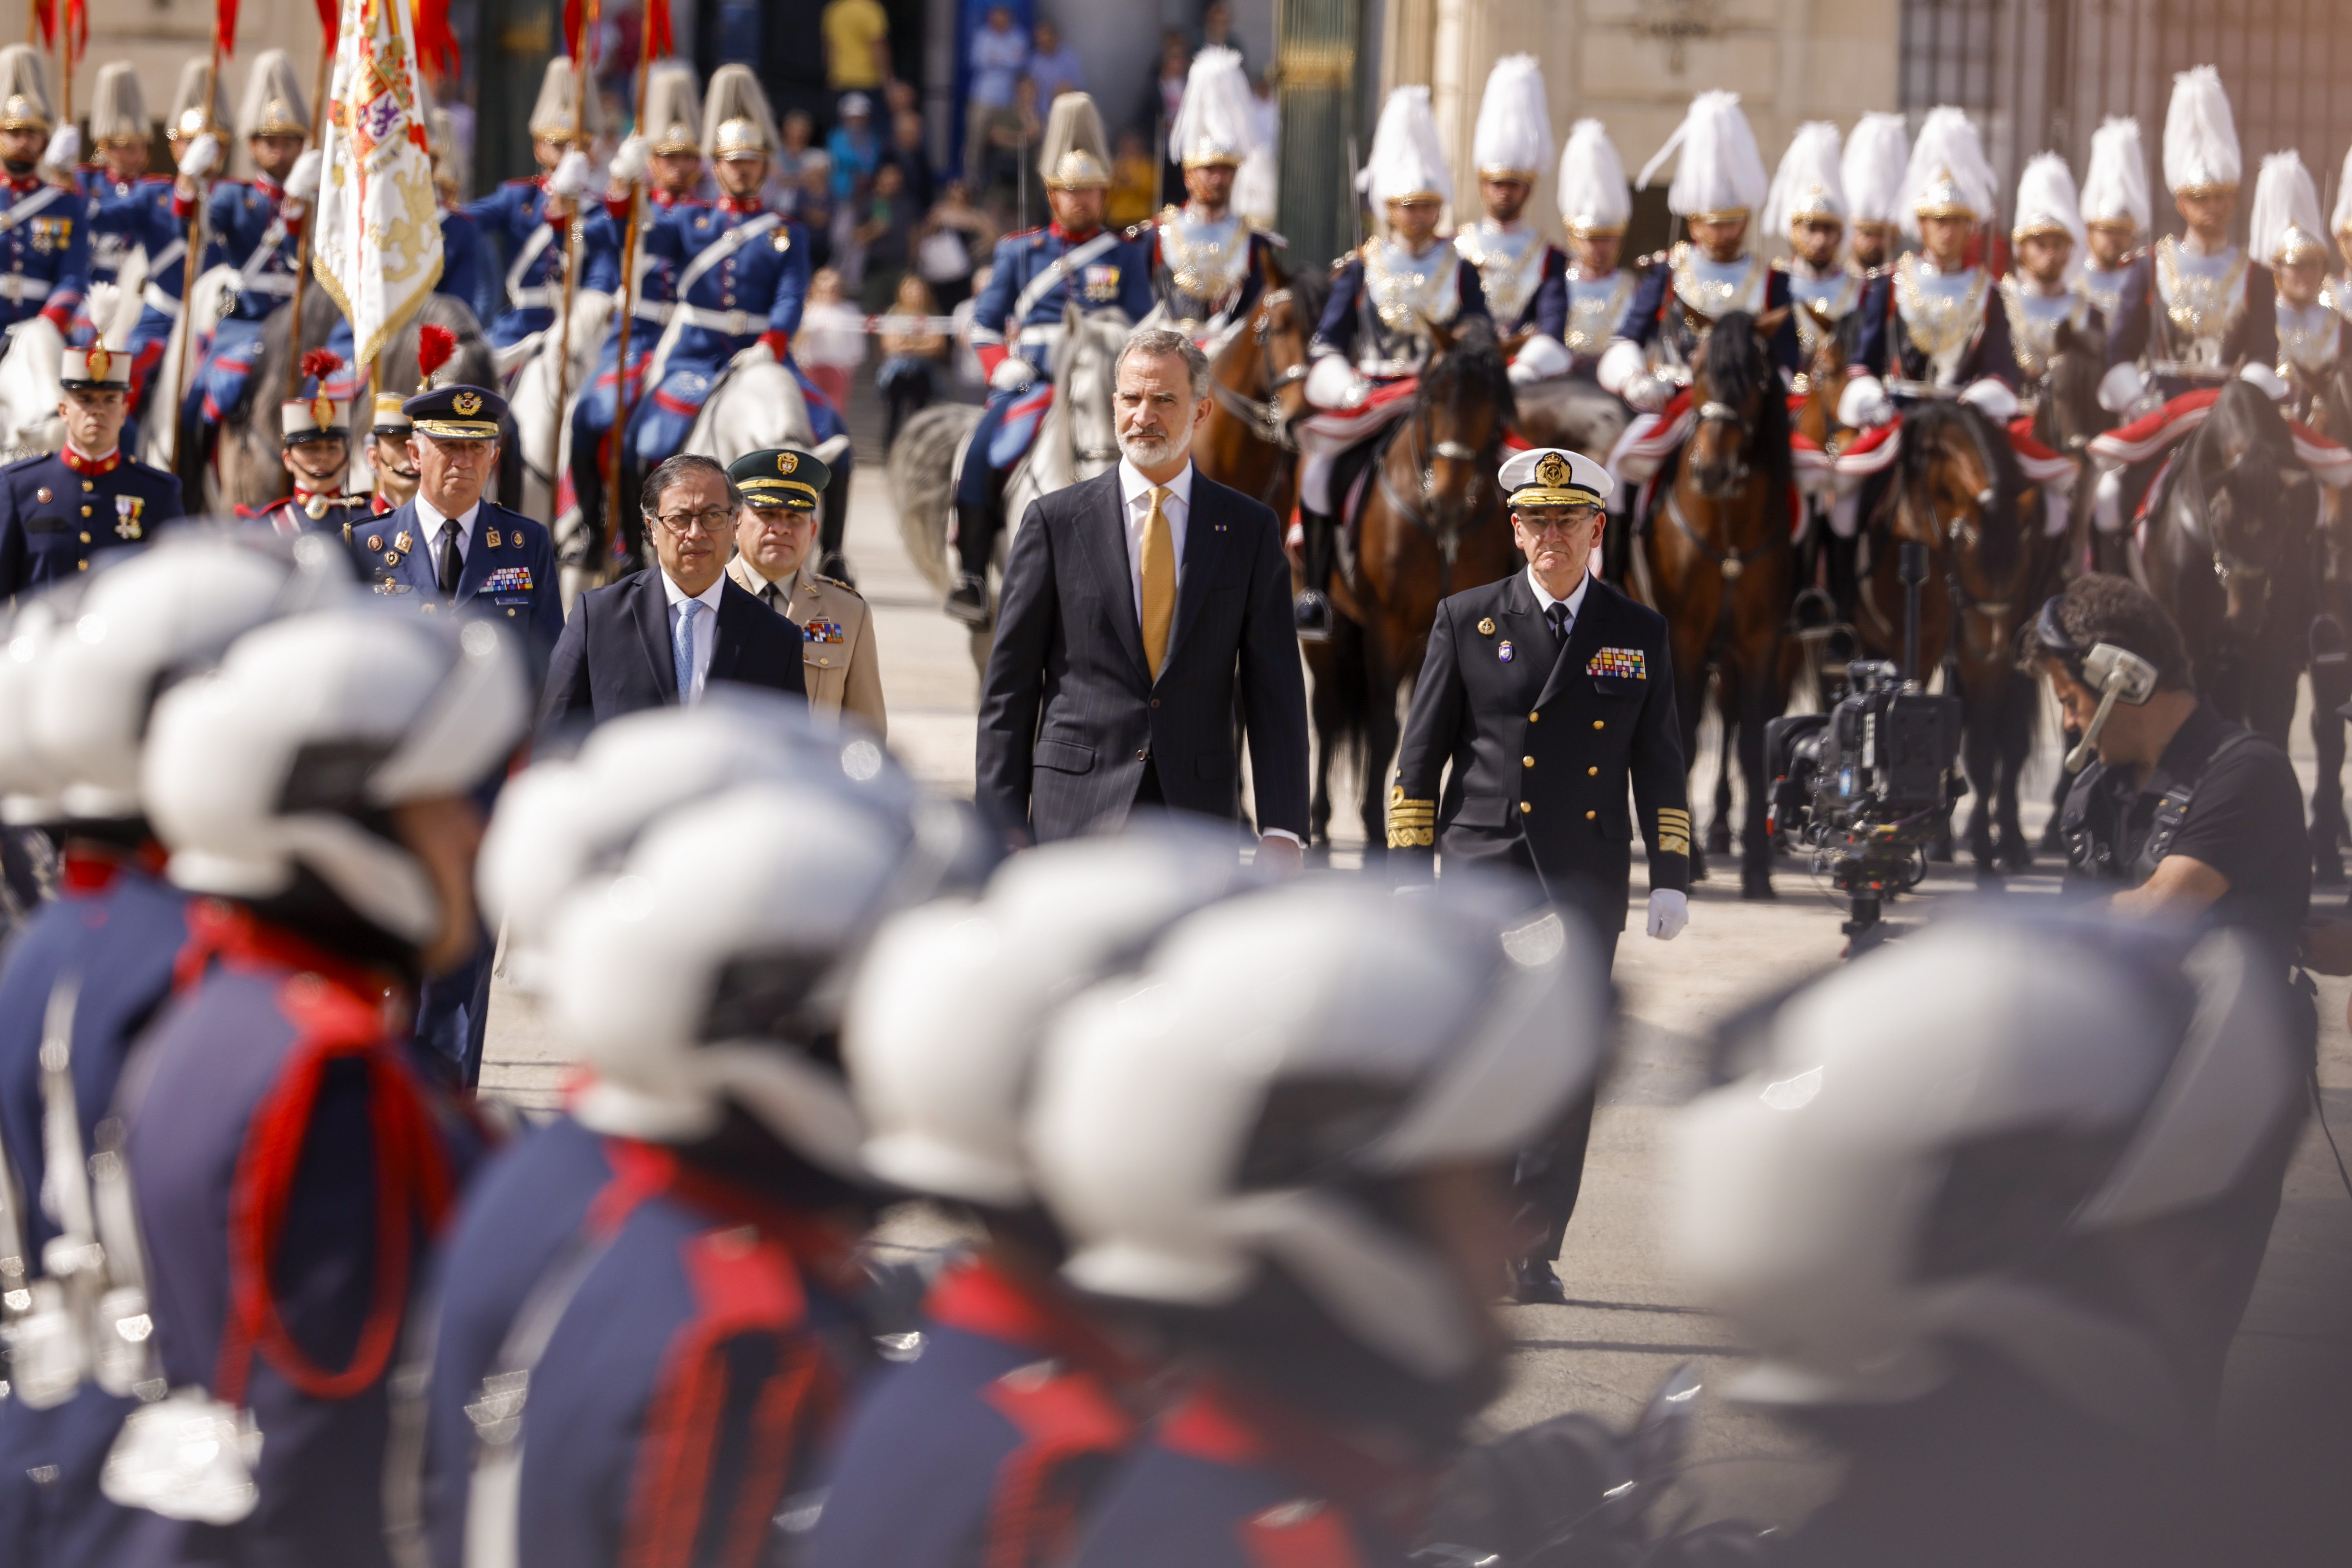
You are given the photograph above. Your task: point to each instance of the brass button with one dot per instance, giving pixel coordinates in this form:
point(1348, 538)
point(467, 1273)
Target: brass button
point(81, 565)
point(87, 487)
point(1527, 762)
point(85, 511)
point(824, 662)
point(1155, 702)
point(85, 539)
point(1590, 815)
point(1141, 753)
point(1592, 773)
point(1533, 717)
point(1597, 723)
point(1524, 808)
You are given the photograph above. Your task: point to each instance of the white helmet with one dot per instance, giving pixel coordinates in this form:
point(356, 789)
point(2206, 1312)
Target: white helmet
point(31, 782)
point(283, 760)
point(151, 618)
point(944, 1021)
point(564, 819)
point(1212, 1130)
point(710, 970)
point(1925, 1131)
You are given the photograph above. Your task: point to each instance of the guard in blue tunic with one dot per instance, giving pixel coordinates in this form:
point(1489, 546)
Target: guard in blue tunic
point(59, 512)
point(119, 129)
point(290, 1167)
point(516, 219)
point(316, 434)
point(44, 223)
point(1017, 324)
point(146, 212)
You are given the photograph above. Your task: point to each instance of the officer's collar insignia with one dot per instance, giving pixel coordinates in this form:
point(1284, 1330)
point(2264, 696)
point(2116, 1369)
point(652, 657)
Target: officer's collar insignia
point(466, 403)
point(786, 462)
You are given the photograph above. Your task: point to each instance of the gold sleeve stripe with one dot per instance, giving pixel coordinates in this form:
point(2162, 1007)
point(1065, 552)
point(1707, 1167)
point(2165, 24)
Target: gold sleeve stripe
point(1412, 824)
point(1673, 844)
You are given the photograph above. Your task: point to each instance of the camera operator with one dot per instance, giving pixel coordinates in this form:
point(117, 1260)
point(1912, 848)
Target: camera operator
point(2189, 814)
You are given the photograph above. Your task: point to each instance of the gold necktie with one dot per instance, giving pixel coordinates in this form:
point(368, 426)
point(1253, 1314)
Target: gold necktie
point(1159, 582)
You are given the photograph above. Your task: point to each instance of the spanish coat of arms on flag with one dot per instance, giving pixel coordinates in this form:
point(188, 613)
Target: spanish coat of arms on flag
point(378, 244)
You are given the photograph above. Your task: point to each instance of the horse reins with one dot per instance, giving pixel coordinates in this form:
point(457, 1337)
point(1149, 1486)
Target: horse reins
point(1448, 539)
point(1729, 563)
point(1264, 418)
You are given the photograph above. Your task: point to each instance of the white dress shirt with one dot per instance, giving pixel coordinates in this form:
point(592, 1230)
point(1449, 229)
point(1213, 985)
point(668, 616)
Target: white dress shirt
point(436, 522)
point(1575, 600)
point(1175, 508)
point(706, 630)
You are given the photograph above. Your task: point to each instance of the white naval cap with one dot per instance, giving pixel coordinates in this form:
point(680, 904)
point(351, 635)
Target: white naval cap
point(2115, 185)
point(1949, 176)
point(1720, 171)
point(1593, 195)
point(2283, 226)
point(1407, 159)
point(1875, 157)
point(2201, 135)
point(1553, 475)
point(2046, 202)
point(1809, 186)
point(1513, 138)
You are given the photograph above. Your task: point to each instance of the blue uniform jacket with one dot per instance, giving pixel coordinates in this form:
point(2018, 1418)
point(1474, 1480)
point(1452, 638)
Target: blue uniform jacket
point(44, 251)
point(1342, 319)
point(1656, 307)
point(55, 520)
point(752, 286)
point(463, 274)
point(511, 577)
point(119, 940)
point(1117, 275)
point(219, 1079)
point(524, 300)
point(241, 220)
point(1001, 1432)
point(126, 215)
point(2135, 331)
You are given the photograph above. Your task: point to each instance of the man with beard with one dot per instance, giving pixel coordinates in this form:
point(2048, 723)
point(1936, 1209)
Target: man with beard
point(1113, 678)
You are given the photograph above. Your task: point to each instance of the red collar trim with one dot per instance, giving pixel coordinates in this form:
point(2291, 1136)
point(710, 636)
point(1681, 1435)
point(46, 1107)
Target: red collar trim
point(379, 504)
point(269, 187)
point(91, 466)
point(1070, 236)
point(22, 184)
point(85, 869)
point(744, 205)
point(1225, 1424)
point(237, 936)
point(980, 1297)
point(641, 1171)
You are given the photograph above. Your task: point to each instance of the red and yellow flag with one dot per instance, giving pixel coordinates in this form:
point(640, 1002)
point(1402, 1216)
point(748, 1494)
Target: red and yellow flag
point(378, 245)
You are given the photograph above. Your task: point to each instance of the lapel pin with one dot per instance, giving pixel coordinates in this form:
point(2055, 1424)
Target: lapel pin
point(1486, 628)
point(1503, 651)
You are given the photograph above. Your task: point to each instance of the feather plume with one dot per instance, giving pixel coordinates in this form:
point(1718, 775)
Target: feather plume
point(435, 344)
point(322, 363)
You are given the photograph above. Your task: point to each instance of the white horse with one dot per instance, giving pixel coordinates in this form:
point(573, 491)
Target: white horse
point(538, 432)
point(29, 426)
point(756, 405)
point(214, 296)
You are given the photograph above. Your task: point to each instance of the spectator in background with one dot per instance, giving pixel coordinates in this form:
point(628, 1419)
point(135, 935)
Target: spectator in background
point(899, 97)
point(1134, 175)
point(1009, 146)
point(906, 155)
point(799, 132)
point(814, 208)
point(912, 357)
point(857, 46)
point(1217, 30)
point(1055, 66)
point(887, 236)
point(954, 231)
point(1167, 97)
point(831, 344)
point(854, 149)
point(999, 52)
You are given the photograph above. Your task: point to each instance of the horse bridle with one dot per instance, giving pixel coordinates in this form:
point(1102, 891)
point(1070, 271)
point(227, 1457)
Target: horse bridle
point(1729, 563)
point(1264, 418)
point(1449, 539)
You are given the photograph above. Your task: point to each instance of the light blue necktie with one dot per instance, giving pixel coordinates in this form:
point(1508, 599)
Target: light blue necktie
point(682, 648)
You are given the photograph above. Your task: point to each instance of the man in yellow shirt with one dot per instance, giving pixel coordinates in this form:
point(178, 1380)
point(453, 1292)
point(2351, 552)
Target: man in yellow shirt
point(856, 45)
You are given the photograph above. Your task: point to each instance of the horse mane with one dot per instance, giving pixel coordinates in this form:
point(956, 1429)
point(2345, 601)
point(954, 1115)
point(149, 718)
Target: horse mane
point(1926, 430)
point(2245, 408)
point(1474, 365)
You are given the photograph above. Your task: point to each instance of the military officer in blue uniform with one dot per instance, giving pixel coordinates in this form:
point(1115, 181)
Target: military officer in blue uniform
point(518, 220)
point(59, 512)
point(1549, 693)
point(146, 212)
point(316, 434)
point(290, 1165)
point(465, 269)
point(44, 223)
point(86, 975)
point(118, 131)
point(1017, 324)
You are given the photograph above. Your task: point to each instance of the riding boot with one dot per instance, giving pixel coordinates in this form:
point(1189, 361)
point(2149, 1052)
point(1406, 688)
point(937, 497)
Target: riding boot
point(588, 493)
point(975, 543)
point(832, 522)
point(1310, 608)
point(1812, 608)
point(1845, 583)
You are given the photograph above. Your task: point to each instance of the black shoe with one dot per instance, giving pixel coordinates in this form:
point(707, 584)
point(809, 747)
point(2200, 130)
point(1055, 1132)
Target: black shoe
point(968, 602)
point(1310, 613)
point(1533, 1284)
point(835, 565)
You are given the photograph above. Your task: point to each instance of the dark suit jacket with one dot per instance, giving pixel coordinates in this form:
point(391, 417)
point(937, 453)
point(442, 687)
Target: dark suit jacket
point(1543, 744)
point(1069, 711)
point(615, 657)
point(514, 579)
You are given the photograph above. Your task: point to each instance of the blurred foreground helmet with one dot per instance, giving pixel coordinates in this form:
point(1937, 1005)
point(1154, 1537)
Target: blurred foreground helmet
point(944, 1022)
point(712, 969)
point(1928, 1134)
point(283, 763)
point(565, 819)
point(1222, 1133)
point(145, 621)
point(31, 782)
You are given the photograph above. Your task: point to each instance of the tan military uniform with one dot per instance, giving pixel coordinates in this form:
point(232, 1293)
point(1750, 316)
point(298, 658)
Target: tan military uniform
point(842, 669)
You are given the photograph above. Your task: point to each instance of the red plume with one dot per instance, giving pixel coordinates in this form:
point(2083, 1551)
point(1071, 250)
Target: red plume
point(435, 344)
point(322, 363)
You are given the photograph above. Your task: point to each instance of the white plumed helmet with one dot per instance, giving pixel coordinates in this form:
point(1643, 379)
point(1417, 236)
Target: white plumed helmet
point(1203, 1128)
point(1593, 195)
point(1809, 182)
point(2046, 202)
point(942, 1027)
point(1720, 171)
point(2283, 226)
point(1867, 1195)
point(152, 618)
point(283, 760)
point(2115, 184)
point(2201, 135)
point(1872, 167)
point(1512, 140)
point(1948, 174)
point(1407, 159)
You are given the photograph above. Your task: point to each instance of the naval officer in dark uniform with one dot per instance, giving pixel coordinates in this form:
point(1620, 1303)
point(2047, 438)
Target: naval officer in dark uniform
point(58, 512)
point(1550, 692)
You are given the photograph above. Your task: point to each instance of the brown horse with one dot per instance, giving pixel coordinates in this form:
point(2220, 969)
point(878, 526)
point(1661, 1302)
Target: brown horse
point(2331, 663)
point(1257, 386)
point(1432, 523)
point(1958, 490)
point(1718, 562)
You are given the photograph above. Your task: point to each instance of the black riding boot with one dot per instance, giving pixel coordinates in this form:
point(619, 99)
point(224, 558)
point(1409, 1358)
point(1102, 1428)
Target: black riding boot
point(588, 490)
point(1846, 582)
point(1813, 607)
point(832, 522)
point(975, 542)
point(1310, 609)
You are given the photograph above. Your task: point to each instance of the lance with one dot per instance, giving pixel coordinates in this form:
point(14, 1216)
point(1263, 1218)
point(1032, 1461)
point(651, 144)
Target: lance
point(312, 138)
point(622, 401)
point(580, 89)
point(190, 263)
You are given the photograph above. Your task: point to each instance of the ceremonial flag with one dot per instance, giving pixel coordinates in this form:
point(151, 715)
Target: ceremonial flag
point(45, 17)
point(437, 43)
point(225, 25)
point(378, 245)
point(326, 21)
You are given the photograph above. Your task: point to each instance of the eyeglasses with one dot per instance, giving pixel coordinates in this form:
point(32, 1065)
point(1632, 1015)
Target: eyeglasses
point(1557, 520)
point(687, 524)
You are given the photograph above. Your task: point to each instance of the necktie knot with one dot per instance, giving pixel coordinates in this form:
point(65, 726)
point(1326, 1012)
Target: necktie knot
point(1557, 614)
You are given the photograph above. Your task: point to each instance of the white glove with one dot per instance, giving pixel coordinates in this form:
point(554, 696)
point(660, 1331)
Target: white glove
point(2121, 387)
point(1992, 398)
point(759, 353)
point(1539, 359)
point(302, 185)
point(1669, 912)
point(65, 147)
point(1621, 362)
point(630, 163)
point(1864, 404)
point(2107, 502)
point(2266, 378)
point(573, 179)
point(201, 156)
point(1648, 394)
point(1331, 384)
point(1013, 374)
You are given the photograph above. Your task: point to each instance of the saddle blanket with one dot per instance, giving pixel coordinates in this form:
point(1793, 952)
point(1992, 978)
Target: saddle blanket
point(1337, 429)
point(1019, 425)
point(2329, 462)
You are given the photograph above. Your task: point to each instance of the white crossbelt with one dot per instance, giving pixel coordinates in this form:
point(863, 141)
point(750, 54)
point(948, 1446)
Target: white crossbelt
point(23, 290)
point(158, 301)
point(734, 323)
point(29, 207)
point(523, 258)
point(531, 298)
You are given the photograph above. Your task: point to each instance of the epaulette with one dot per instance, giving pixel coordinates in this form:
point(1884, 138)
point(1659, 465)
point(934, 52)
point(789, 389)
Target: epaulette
point(24, 462)
point(1655, 259)
point(1136, 230)
point(1268, 235)
point(849, 588)
point(1021, 234)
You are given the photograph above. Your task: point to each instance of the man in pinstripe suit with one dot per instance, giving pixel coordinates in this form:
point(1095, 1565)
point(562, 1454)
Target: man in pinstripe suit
point(1135, 607)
